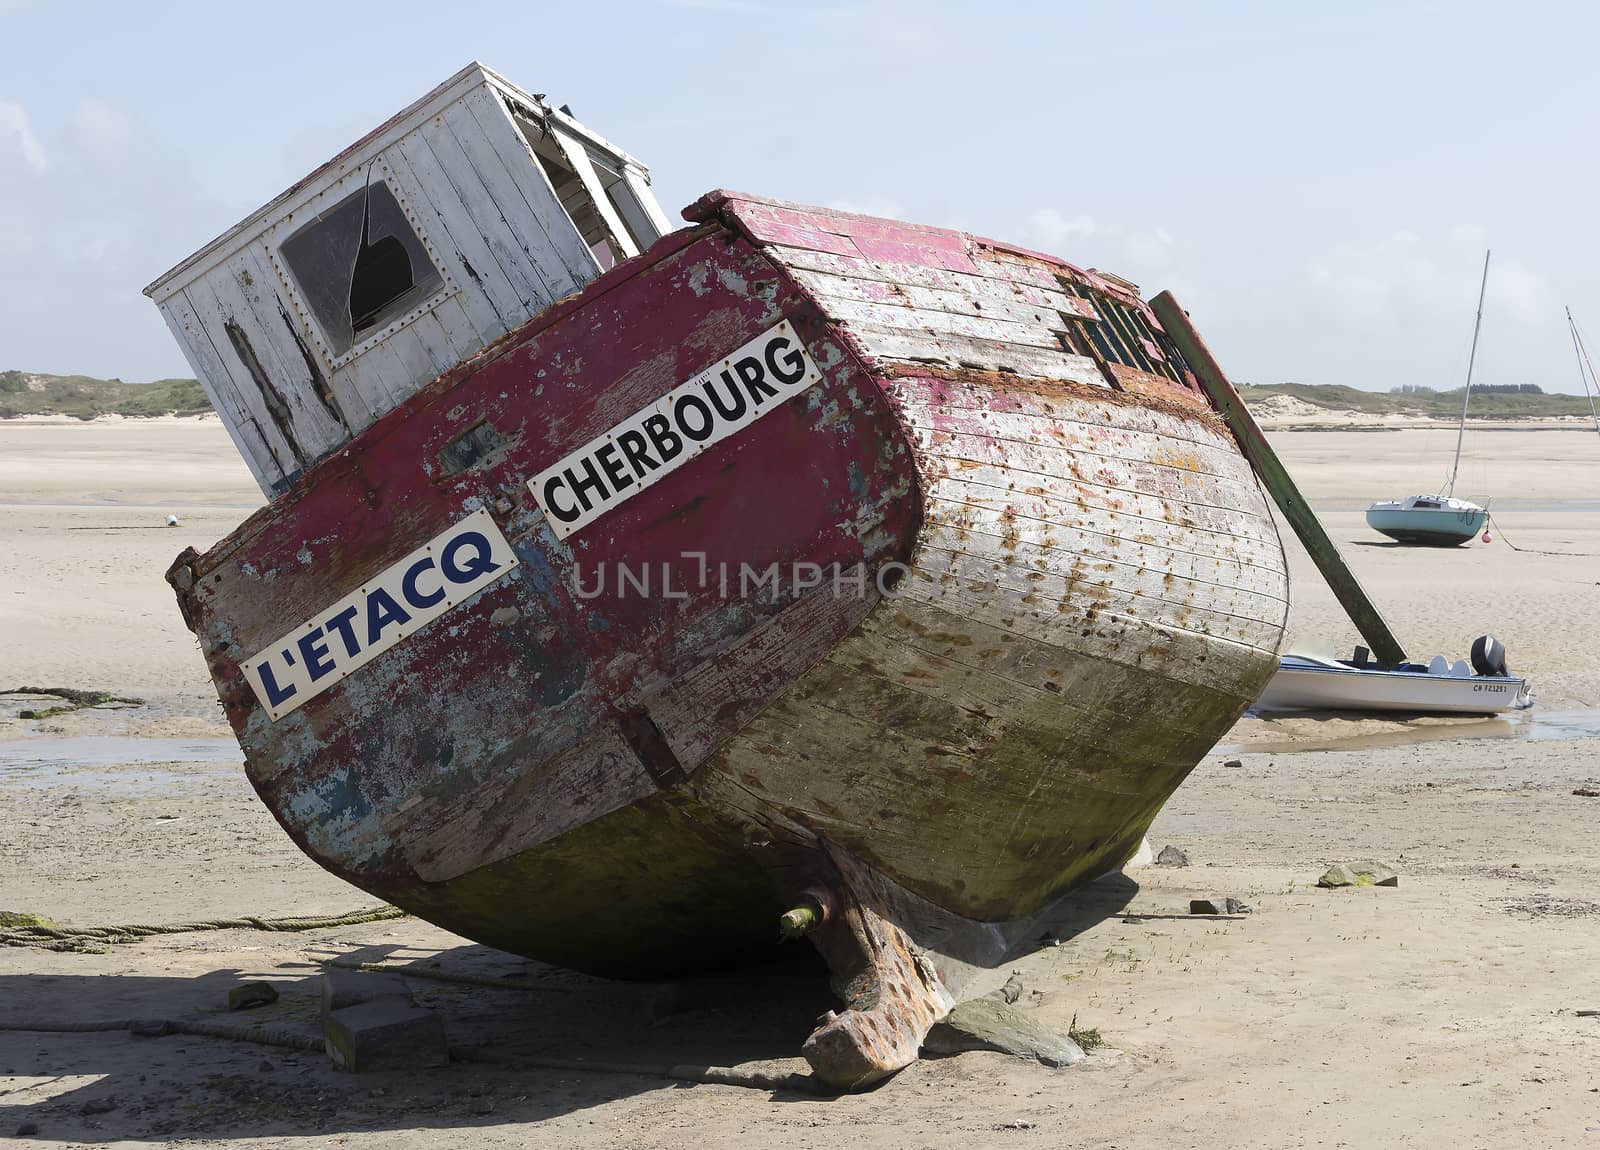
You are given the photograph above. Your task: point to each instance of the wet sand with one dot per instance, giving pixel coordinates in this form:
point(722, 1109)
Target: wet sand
point(1442, 1011)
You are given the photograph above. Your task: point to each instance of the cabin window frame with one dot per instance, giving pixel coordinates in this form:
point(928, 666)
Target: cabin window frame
point(326, 199)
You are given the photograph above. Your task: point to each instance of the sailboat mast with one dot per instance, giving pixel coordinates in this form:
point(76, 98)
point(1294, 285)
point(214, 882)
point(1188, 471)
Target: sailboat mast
point(1467, 398)
point(1583, 360)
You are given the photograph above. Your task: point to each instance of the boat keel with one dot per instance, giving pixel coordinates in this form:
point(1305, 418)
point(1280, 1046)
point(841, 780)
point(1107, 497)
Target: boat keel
point(893, 992)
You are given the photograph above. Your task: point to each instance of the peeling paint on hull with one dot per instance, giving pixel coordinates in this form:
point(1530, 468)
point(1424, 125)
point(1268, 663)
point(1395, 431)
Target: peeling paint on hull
point(1084, 590)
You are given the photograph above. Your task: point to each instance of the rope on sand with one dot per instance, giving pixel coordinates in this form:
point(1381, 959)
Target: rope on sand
point(1533, 551)
point(45, 935)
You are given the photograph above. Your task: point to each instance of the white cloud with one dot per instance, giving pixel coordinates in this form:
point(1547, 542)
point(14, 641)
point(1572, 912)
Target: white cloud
point(1135, 253)
point(1150, 250)
point(1405, 273)
point(1053, 232)
point(101, 130)
point(16, 133)
point(1520, 291)
point(902, 27)
point(871, 205)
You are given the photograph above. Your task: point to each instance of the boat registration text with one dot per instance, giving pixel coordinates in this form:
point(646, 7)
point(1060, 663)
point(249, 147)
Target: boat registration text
point(405, 596)
point(655, 441)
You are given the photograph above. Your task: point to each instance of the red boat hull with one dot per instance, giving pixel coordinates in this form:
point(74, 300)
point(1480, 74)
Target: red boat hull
point(1013, 608)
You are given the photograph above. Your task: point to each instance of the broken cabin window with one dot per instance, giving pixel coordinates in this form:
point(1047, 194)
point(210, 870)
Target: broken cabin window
point(360, 266)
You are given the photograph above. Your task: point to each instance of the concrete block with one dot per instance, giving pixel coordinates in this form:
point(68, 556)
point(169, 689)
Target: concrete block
point(342, 988)
point(387, 1034)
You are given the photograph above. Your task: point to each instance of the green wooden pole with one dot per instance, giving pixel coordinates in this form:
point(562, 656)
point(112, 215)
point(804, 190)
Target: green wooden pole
point(1276, 480)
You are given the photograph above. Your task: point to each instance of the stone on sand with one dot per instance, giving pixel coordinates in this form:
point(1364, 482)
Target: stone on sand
point(1171, 856)
point(246, 995)
point(1218, 904)
point(387, 1034)
point(1359, 874)
point(342, 988)
point(992, 1024)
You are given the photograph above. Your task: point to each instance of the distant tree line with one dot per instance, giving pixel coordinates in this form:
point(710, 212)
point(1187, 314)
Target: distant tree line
point(1489, 388)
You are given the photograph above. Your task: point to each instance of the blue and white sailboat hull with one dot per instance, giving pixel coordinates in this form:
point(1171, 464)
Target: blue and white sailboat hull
point(1429, 520)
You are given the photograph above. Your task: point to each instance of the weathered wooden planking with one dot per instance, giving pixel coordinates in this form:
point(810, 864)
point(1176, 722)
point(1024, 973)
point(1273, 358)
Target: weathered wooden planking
point(1051, 507)
point(1182, 653)
point(250, 440)
point(484, 208)
point(1013, 473)
point(910, 318)
point(487, 298)
point(705, 706)
point(1028, 794)
point(1176, 490)
point(483, 211)
point(638, 206)
point(855, 276)
point(1081, 433)
point(577, 157)
point(302, 424)
point(266, 411)
point(971, 296)
point(444, 838)
point(940, 323)
point(1041, 534)
point(549, 241)
point(916, 642)
point(446, 335)
point(411, 364)
point(1070, 410)
point(372, 376)
point(845, 234)
point(883, 344)
point(1138, 514)
point(1084, 586)
point(322, 418)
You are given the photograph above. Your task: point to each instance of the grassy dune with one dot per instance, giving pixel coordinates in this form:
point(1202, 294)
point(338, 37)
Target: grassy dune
point(1438, 404)
point(82, 396)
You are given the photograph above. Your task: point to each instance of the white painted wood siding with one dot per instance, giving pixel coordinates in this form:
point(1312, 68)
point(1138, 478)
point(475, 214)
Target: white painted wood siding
point(460, 165)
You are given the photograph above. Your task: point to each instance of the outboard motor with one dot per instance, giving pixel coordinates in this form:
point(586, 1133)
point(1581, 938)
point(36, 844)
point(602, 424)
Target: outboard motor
point(1489, 656)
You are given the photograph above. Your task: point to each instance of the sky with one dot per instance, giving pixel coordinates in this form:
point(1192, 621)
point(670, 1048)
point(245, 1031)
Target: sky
point(1317, 183)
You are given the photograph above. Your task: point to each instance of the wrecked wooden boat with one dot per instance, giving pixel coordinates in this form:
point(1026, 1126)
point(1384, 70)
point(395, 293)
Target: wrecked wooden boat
point(624, 589)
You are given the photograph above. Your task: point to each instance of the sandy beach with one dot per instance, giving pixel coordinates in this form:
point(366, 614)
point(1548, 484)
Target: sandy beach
point(1444, 1011)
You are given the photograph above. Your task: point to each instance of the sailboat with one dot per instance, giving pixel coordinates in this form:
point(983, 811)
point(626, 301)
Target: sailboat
point(1438, 520)
point(1585, 370)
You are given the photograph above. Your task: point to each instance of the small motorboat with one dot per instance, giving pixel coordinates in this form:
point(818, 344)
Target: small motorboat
point(1432, 520)
point(1314, 683)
